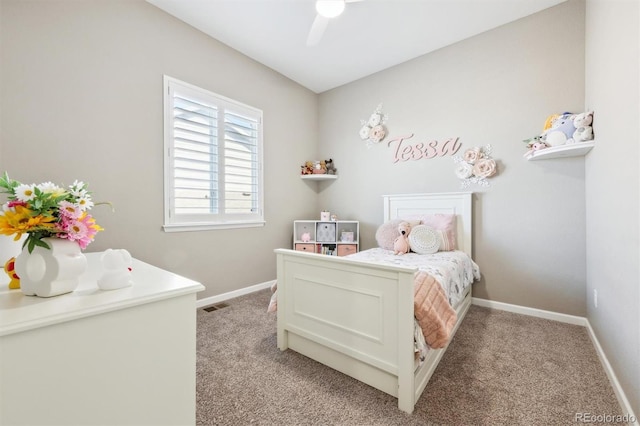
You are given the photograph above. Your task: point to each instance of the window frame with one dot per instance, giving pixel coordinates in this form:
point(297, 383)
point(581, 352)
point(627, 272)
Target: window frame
point(174, 222)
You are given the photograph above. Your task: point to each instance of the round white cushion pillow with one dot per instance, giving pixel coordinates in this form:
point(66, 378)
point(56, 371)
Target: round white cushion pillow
point(424, 240)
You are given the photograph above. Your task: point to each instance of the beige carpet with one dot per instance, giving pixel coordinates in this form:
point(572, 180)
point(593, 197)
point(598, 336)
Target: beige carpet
point(500, 369)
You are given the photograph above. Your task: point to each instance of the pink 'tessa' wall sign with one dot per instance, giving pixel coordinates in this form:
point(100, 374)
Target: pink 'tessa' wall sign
point(405, 151)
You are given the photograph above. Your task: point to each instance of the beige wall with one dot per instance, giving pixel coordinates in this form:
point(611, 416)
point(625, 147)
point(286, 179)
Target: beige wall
point(81, 85)
point(496, 88)
point(81, 98)
point(613, 185)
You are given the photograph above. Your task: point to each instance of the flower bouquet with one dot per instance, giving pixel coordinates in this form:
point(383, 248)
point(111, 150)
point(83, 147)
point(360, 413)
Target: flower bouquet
point(47, 210)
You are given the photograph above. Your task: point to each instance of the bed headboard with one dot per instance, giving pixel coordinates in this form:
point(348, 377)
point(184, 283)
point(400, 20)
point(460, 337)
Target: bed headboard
point(403, 205)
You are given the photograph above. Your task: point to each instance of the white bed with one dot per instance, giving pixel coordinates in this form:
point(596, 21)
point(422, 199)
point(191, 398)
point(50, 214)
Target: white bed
point(357, 317)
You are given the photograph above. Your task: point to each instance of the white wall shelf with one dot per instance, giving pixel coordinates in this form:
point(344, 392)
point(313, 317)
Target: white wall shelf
point(570, 150)
point(319, 177)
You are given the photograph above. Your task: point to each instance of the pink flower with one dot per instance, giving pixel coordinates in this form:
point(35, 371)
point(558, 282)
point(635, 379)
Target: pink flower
point(69, 210)
point(472, 155)
point(484, 168)
point(81, 229)
point(16, 203)
point(377, 133)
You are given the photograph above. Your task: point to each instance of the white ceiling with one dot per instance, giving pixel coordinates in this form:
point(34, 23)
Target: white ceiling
point(371, 35)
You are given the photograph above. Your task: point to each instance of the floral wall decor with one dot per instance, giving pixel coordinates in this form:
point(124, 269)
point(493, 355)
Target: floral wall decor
point(475, 166)
point(373, 130)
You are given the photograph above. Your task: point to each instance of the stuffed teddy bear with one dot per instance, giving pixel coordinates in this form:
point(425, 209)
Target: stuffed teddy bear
point(401, 243)
point(583, 119)
point(582, 123)
point(583, 134)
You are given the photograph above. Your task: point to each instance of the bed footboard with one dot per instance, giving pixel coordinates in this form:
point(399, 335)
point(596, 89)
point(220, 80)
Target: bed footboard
point(356, 317)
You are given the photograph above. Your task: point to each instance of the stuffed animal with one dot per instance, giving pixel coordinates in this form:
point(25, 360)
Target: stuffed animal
point(536, 146)
point(307, 168)
point(532, 140)
point(582, 123)
point(331, 170)
point(306, 237)
point(549, 121)
point(319, 168)
point(10, 269)
point(401, 243)
point(561, 130)
point(583, 119)
point(583, 134)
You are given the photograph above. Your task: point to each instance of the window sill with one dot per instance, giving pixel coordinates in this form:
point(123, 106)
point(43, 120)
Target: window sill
point(190, 227)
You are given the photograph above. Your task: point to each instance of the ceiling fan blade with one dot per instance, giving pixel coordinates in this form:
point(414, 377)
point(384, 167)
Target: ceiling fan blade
point(317, 30)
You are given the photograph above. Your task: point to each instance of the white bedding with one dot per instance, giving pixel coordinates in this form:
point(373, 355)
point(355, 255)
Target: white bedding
point(454, 270)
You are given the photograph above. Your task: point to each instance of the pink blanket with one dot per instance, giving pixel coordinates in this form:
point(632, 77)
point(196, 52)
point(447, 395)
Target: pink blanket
point(432, 310)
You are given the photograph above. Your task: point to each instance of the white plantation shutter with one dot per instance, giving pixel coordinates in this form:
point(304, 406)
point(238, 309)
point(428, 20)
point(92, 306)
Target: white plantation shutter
point(240, 163)
point(213, 168)
point(195, 156)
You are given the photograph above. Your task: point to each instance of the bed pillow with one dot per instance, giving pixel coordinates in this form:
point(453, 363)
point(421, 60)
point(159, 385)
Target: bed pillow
point(424, 240)
point(388, 232)
point(445, 224)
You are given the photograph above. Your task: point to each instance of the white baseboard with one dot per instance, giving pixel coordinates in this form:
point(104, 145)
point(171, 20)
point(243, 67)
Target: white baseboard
point(617, 389)
point(575, 320)
point(532, 312)
point(200, 303)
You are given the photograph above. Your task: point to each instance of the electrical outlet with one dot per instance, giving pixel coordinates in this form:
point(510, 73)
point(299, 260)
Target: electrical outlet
point(595, 297)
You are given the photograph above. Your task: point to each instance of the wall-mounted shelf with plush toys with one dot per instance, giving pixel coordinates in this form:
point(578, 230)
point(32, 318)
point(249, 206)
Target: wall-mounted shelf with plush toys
point(564, 135)
point(319, 177)
point(560, 151)
point(319, 170)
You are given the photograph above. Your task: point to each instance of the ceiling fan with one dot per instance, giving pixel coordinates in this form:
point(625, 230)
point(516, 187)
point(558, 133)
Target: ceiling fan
point(327, 9)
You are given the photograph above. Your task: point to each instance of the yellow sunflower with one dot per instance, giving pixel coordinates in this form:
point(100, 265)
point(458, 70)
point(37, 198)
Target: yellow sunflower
point(22, 220)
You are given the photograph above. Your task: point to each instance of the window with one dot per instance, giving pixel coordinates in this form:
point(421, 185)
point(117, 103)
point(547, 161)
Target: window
point(213, 160)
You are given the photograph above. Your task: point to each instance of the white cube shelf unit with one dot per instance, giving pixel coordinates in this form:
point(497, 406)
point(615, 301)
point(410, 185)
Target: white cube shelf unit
point(337, 238)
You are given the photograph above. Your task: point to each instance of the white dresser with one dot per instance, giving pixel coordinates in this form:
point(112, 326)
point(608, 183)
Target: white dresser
point(94, 357)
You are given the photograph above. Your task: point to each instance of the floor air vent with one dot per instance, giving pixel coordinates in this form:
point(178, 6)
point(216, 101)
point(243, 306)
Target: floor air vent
point(215, 307)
